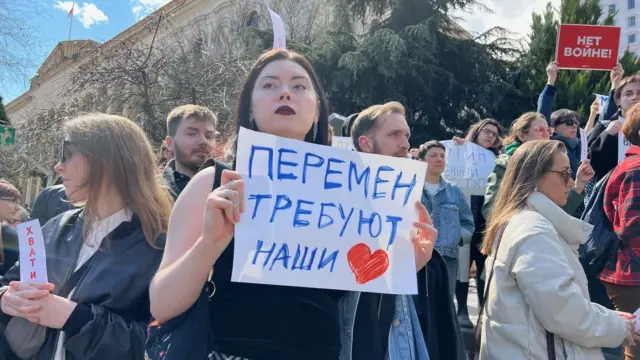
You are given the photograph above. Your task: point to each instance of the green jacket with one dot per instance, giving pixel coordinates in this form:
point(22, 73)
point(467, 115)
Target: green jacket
point(495, 179)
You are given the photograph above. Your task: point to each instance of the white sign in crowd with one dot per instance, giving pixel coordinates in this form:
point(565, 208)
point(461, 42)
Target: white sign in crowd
point(321, 217)
point(343, 142)
point(469, 166)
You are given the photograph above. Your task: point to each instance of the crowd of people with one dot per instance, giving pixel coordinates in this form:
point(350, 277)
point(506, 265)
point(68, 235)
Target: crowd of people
point(129, 248)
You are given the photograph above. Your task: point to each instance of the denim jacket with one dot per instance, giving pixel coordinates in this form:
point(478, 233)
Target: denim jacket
point(451, 215)
point(406, 341)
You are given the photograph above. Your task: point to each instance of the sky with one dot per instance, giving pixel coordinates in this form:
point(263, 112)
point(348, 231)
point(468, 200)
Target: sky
point(514, 15)
point(101, 20)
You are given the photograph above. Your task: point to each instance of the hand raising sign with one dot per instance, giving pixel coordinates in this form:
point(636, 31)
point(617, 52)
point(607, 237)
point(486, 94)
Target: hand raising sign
point(424, 236)
point(223, 208)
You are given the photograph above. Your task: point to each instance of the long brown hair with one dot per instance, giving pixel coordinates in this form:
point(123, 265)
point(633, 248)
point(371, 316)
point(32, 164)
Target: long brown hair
point(528, 164)
point(243, 112)
point(119, 154)
point(521, 126)
point(472, 136)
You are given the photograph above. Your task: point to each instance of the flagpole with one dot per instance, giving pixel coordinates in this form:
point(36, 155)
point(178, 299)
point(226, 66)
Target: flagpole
point(70, 24)
point(71, 19)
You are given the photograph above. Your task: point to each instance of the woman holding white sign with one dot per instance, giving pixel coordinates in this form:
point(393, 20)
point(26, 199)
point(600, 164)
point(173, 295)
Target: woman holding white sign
point(487, 133)
point(100, 258)
point(281, 96)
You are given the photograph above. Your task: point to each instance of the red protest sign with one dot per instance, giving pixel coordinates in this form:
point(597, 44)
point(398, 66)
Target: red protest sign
point(588, 47)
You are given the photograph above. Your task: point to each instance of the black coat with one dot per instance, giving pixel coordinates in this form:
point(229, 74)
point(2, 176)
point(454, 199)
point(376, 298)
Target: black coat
point(113, 311)
point(10, 248)
point(51, 202)
point(174, 180)
point(437, 313)
point(603, 149)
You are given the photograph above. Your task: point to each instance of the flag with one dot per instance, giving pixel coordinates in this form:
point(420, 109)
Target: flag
point(71, 11)
point(279, 36)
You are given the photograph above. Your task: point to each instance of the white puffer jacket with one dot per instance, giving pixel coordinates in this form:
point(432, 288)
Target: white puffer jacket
point(538, 283)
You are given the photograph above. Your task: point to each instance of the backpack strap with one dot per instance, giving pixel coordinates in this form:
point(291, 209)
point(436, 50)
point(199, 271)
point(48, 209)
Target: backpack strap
point(220, 167)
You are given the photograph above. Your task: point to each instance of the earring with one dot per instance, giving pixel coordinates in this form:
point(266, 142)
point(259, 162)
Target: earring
point(314, 131)
point(536, 189)
point(252, 121)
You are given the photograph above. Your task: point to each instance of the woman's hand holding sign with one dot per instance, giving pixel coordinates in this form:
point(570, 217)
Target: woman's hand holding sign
point(223, 209)
point(424, 236)
point(20, 299)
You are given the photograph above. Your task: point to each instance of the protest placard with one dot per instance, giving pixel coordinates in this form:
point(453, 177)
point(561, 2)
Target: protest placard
point(321, 217)
point(279, 34)
point(33, 258)
point(468, 165)
point(623, 146)
point(587, 47)
point(584, 146)
point(343, 142)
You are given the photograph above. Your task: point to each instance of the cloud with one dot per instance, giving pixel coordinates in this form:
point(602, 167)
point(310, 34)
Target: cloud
point(514, 15)
point(142, 8)
point(88, 14)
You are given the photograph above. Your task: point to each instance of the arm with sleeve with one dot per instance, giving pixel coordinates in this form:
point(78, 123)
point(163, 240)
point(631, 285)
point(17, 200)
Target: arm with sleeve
point(548, 283)
point(545, 101)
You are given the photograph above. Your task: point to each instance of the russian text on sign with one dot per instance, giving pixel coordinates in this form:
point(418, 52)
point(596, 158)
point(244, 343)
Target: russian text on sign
point(321, 217)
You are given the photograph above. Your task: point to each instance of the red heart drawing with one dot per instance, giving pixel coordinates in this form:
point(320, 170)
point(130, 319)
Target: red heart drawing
point(365, 265)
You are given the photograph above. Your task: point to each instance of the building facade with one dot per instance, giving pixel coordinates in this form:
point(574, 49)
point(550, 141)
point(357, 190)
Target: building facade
point(627, 17)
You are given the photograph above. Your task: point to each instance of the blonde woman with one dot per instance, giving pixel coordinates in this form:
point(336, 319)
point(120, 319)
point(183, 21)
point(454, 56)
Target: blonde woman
point(108, 166)
point(537, 300)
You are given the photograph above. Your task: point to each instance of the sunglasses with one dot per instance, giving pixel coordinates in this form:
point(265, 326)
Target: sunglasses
point(566, 175)
point(65, 151)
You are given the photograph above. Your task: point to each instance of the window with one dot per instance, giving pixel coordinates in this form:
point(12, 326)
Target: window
point(632, 21)
point(612, 9)
point(631, 4)
point(631, 39)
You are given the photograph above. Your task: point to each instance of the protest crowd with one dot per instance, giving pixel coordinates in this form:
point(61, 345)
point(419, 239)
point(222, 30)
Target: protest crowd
point(286, 247)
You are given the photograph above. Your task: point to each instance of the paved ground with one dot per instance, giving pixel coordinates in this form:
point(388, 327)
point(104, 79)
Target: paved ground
point(472, 305)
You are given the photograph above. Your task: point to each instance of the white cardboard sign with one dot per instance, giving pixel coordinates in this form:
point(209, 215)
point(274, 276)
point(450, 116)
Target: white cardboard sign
point(468, 165)
point(279, 34)
point(321, 217)
point(343, 142)
point(584, 147)
point(623, 146)
point(33, 258)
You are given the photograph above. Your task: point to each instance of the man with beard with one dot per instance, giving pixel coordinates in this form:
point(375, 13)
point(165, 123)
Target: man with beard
point(383, 320)
point(191, 136)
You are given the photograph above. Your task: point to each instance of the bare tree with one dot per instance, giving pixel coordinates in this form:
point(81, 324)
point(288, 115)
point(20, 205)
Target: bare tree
point(18, 40)
point(39, 139)
point(130, 72)
point(204, 62)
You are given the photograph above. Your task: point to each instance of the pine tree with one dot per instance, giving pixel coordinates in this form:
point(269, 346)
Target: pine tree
point(445, 78)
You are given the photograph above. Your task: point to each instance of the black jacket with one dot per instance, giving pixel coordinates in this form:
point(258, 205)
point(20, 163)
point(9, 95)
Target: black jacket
point(112, 315)
point(478, 219)
point(174, 179)
point(437, 313)
point(10, 248)
point(603, 149)
point(51, 202)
